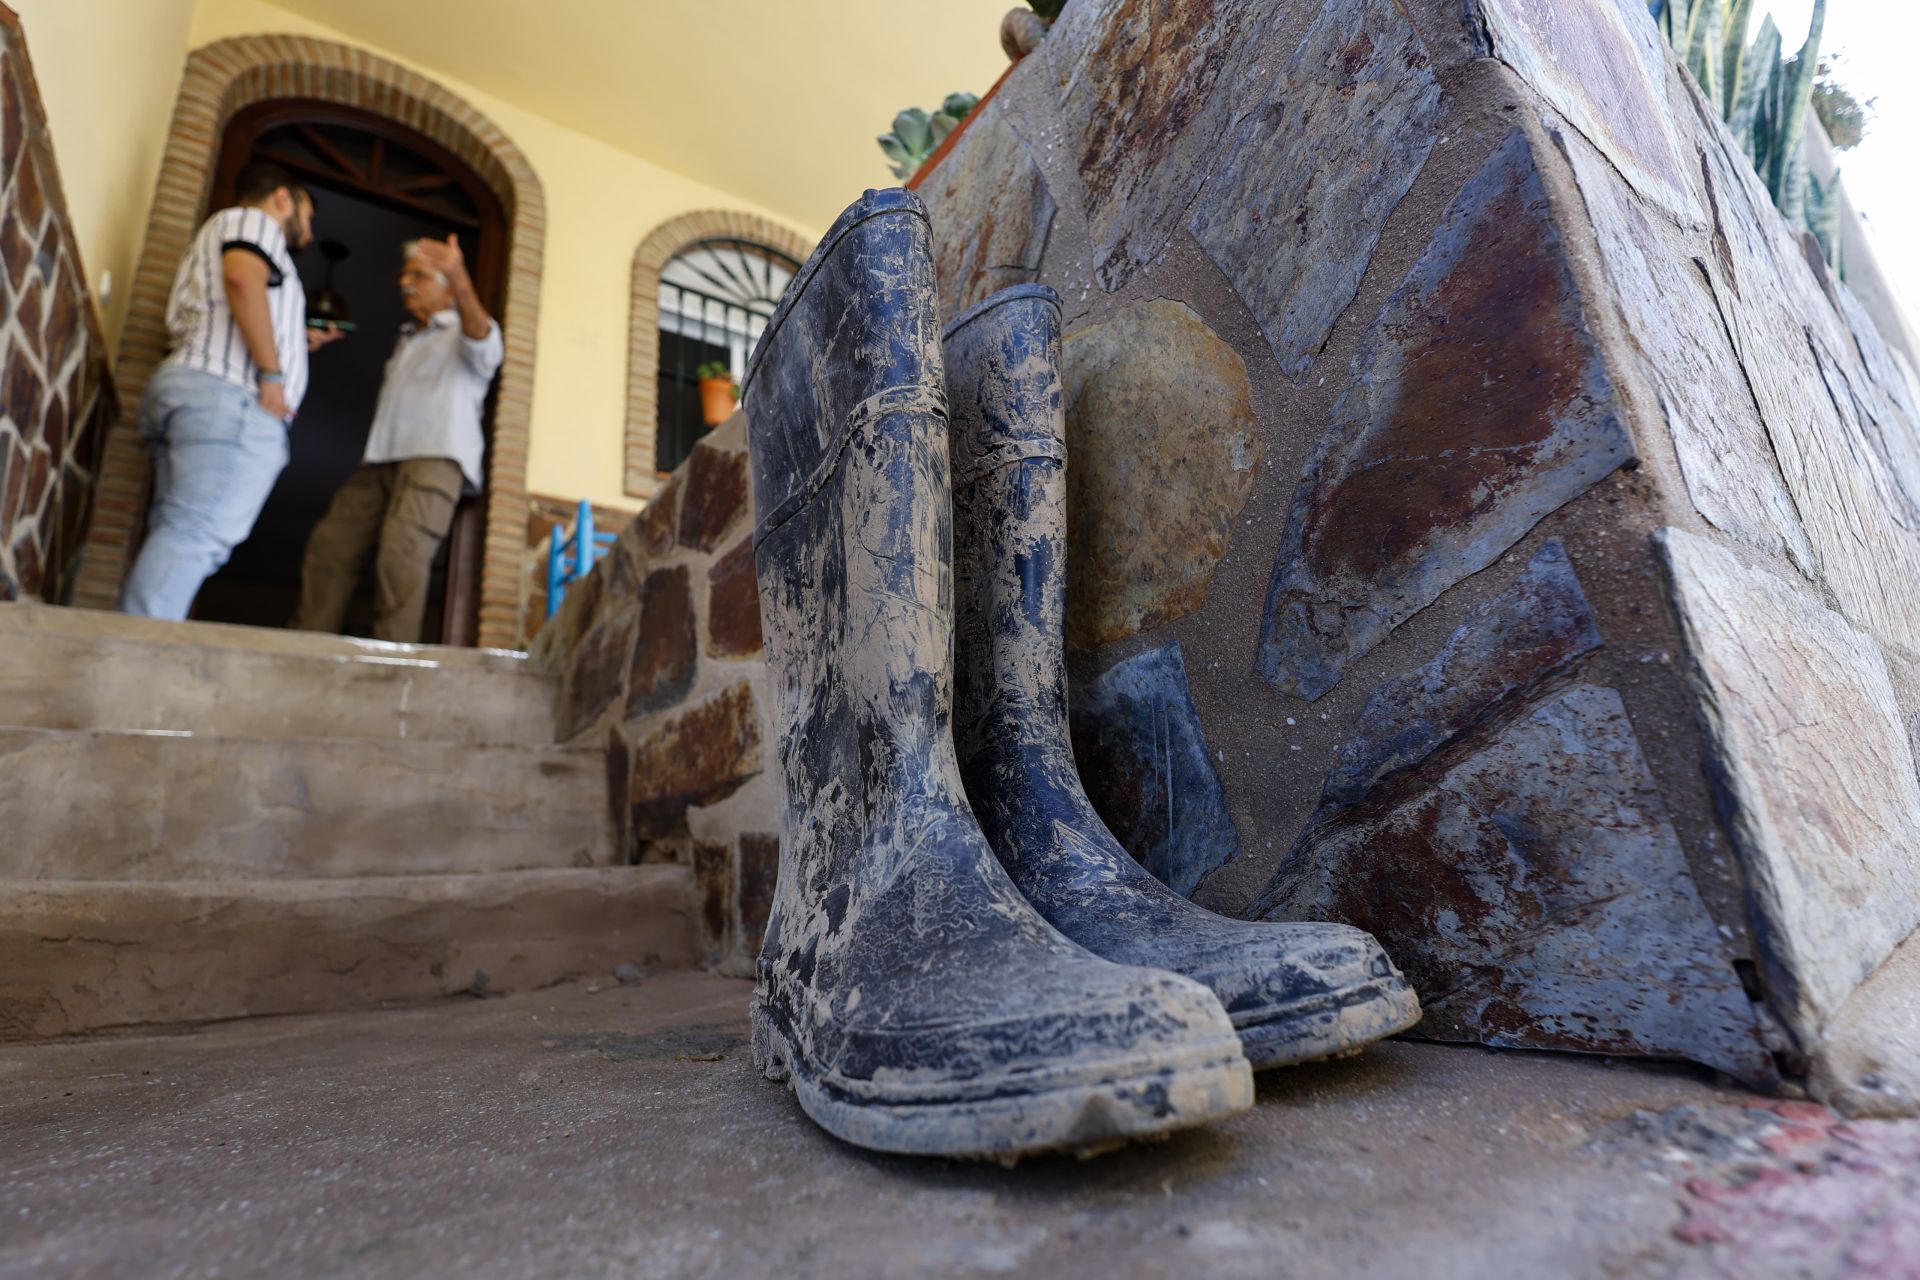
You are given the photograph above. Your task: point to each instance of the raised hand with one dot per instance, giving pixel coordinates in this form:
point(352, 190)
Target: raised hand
point(444, 257)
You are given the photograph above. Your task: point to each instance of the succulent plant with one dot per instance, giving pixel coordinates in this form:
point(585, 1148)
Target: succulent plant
point(713, 369)
point(1763, 98)
point(917, 132)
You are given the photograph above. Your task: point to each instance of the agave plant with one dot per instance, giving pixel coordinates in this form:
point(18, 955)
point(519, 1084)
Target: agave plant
point(916, 132)
point(1763, 99)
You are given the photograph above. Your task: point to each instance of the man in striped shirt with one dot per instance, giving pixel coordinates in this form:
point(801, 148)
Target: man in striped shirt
point(217, 410)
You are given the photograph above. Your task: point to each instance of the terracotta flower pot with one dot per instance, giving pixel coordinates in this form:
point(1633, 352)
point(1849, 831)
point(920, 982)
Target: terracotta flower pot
point(716, 400)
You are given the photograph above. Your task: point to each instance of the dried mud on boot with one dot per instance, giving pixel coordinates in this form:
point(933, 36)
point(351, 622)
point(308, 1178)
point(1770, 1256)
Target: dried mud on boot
point(911, 997)
point(1295, 992)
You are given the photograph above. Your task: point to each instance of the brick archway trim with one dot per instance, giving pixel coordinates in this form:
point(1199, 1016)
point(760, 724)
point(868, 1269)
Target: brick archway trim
point(643, 324)
point(223, 77)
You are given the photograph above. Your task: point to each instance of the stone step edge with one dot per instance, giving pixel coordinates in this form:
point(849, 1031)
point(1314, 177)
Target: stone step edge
point(73, 622)
point(89, 956)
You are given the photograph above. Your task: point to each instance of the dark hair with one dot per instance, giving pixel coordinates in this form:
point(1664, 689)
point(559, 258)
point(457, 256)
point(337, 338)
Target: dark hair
point(262, 178)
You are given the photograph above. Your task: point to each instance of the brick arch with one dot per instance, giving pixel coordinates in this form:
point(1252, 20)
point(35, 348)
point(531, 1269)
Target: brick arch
point(643, 322)
point(221, 79)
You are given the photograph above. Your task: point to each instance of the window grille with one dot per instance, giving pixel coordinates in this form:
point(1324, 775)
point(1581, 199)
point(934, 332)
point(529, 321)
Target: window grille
point(716, 297)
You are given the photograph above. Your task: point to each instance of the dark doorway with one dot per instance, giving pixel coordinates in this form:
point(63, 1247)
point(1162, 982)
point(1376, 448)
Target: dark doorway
point(376, 185)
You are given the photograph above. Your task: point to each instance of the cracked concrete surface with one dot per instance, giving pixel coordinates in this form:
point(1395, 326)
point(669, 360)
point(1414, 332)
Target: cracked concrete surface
point(605, 1129)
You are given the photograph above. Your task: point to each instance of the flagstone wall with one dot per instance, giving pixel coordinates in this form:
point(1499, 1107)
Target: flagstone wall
point(1534, 521)
point(56, 397)
point(658, 652)
point(1487, 525)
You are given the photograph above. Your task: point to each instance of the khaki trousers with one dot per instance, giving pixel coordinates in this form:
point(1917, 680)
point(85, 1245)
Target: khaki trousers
point(406, 509)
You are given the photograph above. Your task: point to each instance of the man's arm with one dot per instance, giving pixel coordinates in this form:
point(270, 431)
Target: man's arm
point(447, 259)
point(245, 275)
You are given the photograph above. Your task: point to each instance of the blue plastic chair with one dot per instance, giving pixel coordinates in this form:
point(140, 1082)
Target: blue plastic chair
point(587, 546)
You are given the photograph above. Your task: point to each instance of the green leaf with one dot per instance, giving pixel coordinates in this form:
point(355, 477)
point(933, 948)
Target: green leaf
point(958, 105)
point(914, 130)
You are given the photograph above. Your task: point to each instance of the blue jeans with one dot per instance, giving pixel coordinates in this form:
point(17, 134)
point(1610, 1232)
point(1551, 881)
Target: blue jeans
point(216, 454)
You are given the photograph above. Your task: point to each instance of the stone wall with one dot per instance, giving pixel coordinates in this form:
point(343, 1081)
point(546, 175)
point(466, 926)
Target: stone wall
point(1486, 524)
point(56, 398)
point(1515, 525)
point(658, 653)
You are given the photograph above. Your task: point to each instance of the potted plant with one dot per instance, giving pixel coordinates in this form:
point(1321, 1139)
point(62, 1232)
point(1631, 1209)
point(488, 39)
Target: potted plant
point(917, 134)
point(718, 395)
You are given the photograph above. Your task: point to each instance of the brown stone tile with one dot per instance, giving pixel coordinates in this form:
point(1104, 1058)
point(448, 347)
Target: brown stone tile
point(716, 496)
point(65, 319)
point(1481, 403)
point(29, 196)
point(658, 518)
point(20, 389)
point(1148, 93)
point(665, 646)
point(699, 756)
point(733, 604)
point(592, 679)
point(12, 116)
point(759, 873)
point(30, 317)
point(16, 250)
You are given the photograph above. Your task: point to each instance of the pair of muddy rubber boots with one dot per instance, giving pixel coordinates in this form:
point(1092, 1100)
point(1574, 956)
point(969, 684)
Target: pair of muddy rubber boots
point(998, 977)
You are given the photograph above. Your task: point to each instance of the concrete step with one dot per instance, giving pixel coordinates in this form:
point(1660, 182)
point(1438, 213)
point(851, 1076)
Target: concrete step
point(106, 805)
point(88, 955)
point(84, 669)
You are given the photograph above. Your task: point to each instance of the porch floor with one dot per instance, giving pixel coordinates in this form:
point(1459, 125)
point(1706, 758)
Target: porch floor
point(609, 1129)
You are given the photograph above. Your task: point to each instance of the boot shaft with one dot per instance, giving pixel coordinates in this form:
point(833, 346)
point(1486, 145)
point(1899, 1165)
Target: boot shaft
point(1009, 461)
point(847, 436)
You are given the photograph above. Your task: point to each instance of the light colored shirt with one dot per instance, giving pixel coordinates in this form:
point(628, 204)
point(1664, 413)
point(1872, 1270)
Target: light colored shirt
point(200, 319)
point(433, 394)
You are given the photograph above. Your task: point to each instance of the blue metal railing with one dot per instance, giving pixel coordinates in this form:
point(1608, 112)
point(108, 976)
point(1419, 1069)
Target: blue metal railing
point(587, 546)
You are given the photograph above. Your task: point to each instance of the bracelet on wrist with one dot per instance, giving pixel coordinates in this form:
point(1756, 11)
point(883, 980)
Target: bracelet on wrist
point(269, 375)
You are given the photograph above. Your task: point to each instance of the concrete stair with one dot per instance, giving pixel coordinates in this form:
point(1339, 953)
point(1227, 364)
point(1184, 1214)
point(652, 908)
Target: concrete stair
point(203, 821)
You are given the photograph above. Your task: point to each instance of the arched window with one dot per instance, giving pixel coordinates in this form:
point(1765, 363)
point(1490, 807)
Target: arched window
point(715, 297)
point(704, 287)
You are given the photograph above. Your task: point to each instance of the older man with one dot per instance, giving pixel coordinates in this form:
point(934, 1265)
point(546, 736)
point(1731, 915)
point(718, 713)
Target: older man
point(425, 448)
point(217, 410)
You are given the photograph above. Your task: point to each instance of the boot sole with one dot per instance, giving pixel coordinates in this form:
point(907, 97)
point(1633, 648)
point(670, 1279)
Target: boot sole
point(1085, 1118)
point(1330, 1026)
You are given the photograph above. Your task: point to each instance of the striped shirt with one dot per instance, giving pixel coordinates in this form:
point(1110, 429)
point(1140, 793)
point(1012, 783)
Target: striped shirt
point(205, 336)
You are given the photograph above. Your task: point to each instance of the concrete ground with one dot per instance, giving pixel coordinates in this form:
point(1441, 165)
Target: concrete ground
point(620, 1130)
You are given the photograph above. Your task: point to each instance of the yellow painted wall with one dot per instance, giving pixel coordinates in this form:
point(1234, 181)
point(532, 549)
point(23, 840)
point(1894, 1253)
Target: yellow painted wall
point(601, 202)
point(109, 71)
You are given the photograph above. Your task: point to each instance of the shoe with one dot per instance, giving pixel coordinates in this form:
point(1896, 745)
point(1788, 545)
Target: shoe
point(906, 990)
point(1295, 992)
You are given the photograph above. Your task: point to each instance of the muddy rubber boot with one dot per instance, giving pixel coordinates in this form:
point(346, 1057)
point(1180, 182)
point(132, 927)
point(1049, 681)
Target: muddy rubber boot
point(1296, 992)
point(911, 996)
